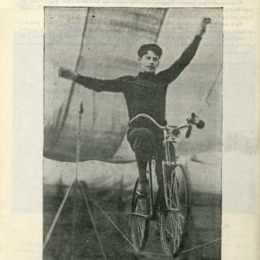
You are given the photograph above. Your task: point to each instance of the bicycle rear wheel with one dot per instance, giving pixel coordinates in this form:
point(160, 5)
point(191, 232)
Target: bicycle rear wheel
point(174, 217)
point(139, 220)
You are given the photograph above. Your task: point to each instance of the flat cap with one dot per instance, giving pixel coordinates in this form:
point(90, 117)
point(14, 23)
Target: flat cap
point(149, 47)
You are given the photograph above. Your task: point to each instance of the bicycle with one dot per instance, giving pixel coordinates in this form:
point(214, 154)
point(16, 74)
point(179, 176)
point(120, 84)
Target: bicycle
point(171, 209)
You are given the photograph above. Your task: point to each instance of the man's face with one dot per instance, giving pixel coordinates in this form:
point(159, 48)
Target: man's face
point(149, 62)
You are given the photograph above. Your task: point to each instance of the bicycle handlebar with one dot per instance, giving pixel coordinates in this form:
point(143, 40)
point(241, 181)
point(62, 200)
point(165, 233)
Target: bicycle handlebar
point(148, 117)
point(192, 120)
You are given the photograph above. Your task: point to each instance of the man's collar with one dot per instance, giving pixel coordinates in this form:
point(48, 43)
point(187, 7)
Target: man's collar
point(146, 75)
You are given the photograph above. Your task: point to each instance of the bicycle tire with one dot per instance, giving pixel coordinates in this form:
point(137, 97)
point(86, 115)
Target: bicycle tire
point(139, 223)
point(174, 218)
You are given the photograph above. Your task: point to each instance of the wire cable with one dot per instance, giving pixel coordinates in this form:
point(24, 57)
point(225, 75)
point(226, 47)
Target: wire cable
point(110, 220)
point(92, 220)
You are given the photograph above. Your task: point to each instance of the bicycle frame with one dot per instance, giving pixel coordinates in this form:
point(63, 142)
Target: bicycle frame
point(151, 199)
point(170, 158)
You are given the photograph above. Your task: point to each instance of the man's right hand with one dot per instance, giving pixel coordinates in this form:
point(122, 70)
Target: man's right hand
point(67, 74)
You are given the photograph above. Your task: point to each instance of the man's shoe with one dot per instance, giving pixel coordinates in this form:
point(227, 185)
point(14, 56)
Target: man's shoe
point(157, 230)
point(142, 189)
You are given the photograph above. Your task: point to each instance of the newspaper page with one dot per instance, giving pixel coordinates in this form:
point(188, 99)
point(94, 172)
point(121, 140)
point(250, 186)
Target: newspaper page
point(73, 72)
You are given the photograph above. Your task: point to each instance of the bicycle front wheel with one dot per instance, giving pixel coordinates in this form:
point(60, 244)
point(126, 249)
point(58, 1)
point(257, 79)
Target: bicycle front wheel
point(139, 220)
point(175, 216)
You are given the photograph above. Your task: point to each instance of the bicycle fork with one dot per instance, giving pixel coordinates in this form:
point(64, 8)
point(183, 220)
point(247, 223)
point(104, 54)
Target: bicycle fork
point(150, 188)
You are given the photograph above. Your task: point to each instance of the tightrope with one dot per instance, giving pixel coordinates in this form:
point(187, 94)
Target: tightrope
point(196, 247)
point(182, 252)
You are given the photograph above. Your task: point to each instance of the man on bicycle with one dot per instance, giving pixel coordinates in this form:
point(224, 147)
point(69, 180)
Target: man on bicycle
point(145, 93)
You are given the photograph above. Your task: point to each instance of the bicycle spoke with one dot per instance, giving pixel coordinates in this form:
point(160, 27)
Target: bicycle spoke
point(139, 221)
point(168, 233)
point(176, 195)
point(141, 206)
point(173, 220)
point(139, 230)
point(176, 238)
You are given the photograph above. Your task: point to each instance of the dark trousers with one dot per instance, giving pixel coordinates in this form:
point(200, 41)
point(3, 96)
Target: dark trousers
point(146, 142)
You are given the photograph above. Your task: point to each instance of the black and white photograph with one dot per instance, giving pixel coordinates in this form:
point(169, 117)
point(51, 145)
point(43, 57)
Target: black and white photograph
point(132, 151)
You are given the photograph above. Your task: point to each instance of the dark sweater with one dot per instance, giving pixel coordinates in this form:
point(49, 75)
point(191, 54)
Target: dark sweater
point(145, 93)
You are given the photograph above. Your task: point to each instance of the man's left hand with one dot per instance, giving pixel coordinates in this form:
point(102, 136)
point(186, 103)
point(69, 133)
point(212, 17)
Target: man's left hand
point(203, 25)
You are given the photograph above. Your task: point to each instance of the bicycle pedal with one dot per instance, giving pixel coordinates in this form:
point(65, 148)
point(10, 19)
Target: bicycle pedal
point(141, 194)
point(157, 234)
point(153, 218)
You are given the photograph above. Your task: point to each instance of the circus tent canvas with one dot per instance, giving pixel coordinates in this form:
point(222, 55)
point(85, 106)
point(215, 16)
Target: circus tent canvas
point(102, 43)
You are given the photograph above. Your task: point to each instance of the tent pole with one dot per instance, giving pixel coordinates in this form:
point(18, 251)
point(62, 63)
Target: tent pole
point(81, 111)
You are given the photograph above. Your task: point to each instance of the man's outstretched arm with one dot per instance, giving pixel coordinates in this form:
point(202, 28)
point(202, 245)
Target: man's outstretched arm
point(178, 66)
point(91, 83)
